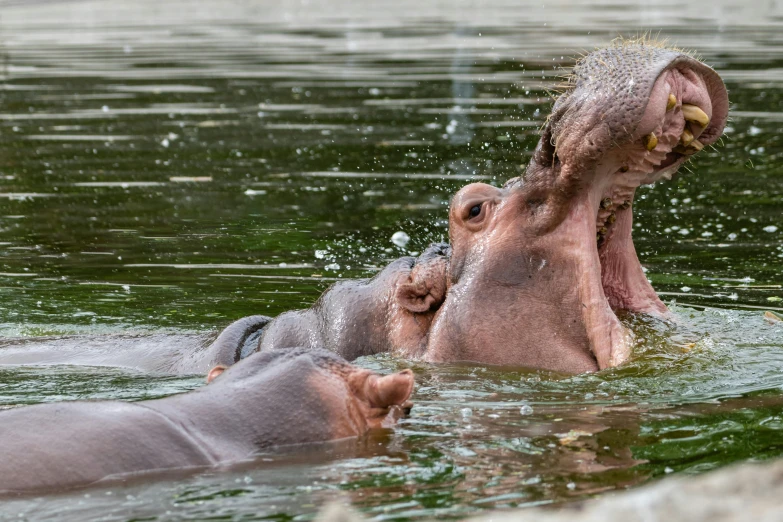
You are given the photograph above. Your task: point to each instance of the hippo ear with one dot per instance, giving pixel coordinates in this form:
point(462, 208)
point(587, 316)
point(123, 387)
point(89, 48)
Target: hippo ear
point(425, 288)
point(215, 372)
point(416, 298)
point(389, 390)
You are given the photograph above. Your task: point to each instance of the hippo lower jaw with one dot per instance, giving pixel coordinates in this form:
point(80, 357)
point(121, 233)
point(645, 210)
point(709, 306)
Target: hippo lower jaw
point(686, 110)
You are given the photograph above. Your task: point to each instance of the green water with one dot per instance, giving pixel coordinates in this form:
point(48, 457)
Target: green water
point(166, 168)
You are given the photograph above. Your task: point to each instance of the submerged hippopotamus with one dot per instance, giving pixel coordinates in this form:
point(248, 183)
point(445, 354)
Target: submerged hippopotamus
point(288, 397)
point(536, 269)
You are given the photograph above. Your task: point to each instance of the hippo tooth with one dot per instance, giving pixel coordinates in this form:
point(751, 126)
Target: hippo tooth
point(694, 114)
point(612, 217)
point(624, 168)
point(671, 102)
point(603, 231)
point(650, 141)
point(694, 147)
point(686, 138)
point(625, 204)
point(606, 203)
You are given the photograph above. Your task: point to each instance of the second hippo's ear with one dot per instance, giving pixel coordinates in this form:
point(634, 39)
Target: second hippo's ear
point(389, 390)
point(425, 288)
point(215, 372)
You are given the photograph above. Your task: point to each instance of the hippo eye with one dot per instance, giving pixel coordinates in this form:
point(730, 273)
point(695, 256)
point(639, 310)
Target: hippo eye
point(475, 210)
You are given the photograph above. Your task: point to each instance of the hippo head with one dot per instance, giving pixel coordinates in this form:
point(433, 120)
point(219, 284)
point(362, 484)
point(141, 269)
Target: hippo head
point(539, 266)
point(309, 395)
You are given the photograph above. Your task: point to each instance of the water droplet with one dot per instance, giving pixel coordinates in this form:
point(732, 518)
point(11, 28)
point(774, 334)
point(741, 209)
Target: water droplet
point(400, 238)
point(525, 409)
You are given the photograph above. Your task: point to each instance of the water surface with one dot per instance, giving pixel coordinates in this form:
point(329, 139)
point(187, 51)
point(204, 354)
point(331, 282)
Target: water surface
point(167, 167)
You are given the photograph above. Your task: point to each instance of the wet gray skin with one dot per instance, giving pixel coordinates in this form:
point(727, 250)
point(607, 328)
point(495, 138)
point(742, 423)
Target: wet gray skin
point(391, 312)
point(537, 268)
point(272, 399)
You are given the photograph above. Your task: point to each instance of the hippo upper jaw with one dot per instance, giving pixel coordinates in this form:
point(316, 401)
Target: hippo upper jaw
point(615, 131)
point(549, 258)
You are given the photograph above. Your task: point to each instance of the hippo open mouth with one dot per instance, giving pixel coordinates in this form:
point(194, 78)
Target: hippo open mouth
point(686, 110)
point(551, 252)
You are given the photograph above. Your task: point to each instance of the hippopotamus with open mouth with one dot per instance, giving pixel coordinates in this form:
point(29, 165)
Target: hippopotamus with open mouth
point(535, 269)
point(532, 276)
point(538, 266)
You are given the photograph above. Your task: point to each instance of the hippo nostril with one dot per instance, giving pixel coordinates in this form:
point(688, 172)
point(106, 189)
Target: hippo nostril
point(671, 102)
point(695, 114)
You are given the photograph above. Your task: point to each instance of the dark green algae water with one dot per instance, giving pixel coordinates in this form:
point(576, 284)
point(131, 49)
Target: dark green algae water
point(166, 168)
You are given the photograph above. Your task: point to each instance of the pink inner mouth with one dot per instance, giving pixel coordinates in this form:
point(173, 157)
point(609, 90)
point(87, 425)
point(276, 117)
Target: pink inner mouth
point(679, 102)
point(686, 110)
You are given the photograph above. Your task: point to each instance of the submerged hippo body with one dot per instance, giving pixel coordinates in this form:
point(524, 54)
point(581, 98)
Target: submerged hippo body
point(275, 398)
point(537, 268)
